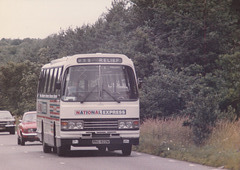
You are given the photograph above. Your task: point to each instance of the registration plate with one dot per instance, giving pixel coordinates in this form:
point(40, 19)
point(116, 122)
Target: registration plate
point(100, 142)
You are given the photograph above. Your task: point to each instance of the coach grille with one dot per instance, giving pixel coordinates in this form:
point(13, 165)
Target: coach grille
point(100, 124)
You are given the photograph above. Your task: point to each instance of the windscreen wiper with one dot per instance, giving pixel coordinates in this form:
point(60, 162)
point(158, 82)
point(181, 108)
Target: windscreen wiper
point(111, 95)
point(88, 94)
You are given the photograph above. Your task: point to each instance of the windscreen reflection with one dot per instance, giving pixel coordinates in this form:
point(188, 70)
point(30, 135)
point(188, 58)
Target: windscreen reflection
point(99, 83)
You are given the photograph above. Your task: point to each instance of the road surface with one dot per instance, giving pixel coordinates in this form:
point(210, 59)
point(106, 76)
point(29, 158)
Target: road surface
point(31, 157)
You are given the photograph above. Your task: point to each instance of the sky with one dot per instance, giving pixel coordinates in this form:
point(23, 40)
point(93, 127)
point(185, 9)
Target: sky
point(41, 18)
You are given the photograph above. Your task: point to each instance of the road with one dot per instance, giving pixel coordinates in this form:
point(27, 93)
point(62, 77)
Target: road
point(31, 156)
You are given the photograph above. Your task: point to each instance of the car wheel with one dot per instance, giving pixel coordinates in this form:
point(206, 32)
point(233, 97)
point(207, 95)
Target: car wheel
point(18, 140)
point(22, 141)
point(12, 131)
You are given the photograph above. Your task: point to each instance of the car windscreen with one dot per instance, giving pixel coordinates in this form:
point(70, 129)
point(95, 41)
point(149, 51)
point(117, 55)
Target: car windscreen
point(5, 115)
point(99, 83)
point(29, 117)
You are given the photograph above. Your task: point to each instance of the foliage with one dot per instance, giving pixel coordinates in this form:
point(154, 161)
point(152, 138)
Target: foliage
point(186, 52)
point(229, 69)
point(15, 80)
point(168, 138)
point(167, 89)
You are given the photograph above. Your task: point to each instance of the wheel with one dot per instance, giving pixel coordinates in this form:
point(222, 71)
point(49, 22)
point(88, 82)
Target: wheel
point(54, 149)
point(62, 150)
point(12, 131)
point(18, 140)
point(126, 150)
point(21, 140)
point(46, 148)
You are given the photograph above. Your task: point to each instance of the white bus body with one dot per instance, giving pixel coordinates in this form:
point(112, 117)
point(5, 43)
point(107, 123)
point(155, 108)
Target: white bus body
point(88, 100)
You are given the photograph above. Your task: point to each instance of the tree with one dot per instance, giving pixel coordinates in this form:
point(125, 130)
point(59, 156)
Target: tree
point(229, 68)
point(18, 82)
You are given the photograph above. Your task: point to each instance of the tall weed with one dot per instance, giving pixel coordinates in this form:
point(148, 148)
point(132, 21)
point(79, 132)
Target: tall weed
point(168, 138)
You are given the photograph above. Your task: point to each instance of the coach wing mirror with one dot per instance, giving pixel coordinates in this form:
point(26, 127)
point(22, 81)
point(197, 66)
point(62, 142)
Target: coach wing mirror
point(140, 81)
point(58, 85)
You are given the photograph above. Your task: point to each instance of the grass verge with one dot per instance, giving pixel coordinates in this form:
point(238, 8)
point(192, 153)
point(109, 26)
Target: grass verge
point(171, 139)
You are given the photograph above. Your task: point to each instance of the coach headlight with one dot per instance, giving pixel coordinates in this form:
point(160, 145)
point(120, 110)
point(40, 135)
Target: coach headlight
point(79, 125)
point(128, 124)
point(71, 124)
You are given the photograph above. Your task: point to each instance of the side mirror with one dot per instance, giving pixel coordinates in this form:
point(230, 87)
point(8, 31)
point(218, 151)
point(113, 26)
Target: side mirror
point(58, 85)
point(140, 81)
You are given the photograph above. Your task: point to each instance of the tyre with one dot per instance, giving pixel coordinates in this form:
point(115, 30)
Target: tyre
point(62, 150)
point(18, 140)
point(126, 150)
point(12, 131)
point(46, 148)
point(22, 141)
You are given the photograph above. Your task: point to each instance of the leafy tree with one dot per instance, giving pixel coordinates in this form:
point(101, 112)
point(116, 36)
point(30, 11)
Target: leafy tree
point(164, 93)
point(18, 82)
point(202, 107)
point(229, 68)
point(187, 32)
point(186, 51)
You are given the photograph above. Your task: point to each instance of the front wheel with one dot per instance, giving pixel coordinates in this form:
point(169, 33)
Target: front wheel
point(12, 131)
point(127, 149)
point(21, 140)
point(18, 140)
point(46, 148)
point(62, 150)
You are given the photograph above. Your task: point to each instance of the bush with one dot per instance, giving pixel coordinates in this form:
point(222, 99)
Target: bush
point(168, 138)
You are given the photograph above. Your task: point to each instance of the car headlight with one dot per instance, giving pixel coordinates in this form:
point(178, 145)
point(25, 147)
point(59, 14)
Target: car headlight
point(10, 123)
point(128, 124)
point(30, 130)
point(71, 124)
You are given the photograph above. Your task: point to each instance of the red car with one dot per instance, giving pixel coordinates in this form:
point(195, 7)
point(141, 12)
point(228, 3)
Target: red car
point(27, 127)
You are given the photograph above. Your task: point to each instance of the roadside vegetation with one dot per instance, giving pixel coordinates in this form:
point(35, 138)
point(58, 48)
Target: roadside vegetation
point(168, 138)
point(186, 52)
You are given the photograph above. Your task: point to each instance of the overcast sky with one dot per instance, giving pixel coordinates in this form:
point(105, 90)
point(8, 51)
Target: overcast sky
point(41, 18)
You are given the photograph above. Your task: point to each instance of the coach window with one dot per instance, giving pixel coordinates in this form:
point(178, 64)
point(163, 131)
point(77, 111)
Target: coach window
point(41, 82)
point(59, 72)
point(54, 80)
point(50, 81)
point(46, 81)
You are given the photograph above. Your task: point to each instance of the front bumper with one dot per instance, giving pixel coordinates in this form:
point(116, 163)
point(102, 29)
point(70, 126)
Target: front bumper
point(30, 136)
point(7, 127)
point(97, 141)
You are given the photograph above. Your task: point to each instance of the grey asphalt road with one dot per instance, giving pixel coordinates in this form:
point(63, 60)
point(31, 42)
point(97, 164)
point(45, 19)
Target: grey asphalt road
point(31, 157)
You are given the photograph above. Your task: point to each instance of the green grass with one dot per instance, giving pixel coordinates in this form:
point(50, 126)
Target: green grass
point(171, 139)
